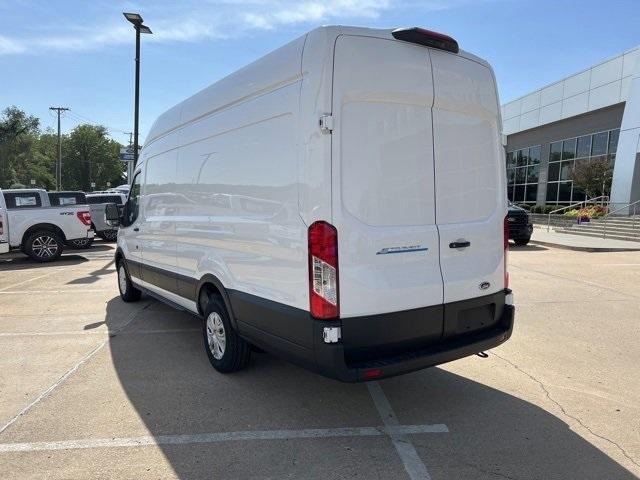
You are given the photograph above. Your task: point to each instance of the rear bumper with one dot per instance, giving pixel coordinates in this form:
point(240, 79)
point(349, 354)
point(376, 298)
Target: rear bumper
point(520, 231)
point(386, 345)
point(90, 234)
point(333, 359)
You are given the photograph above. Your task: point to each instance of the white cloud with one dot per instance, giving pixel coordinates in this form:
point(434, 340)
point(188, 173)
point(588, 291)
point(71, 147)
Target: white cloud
point(9, 46)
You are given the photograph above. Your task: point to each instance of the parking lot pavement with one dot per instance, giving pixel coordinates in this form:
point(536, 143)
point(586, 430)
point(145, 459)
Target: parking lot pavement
point(95, 388)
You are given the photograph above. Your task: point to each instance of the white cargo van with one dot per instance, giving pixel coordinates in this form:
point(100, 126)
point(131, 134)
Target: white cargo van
point(339, 202)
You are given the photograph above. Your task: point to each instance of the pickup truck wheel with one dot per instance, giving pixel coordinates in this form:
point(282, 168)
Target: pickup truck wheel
point(227, 352)
point(522, 241)
point(109, 235)
point(44, 246)
point(128, 292)
point(80, 243)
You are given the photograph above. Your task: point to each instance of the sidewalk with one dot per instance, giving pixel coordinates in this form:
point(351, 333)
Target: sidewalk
point(577, 242)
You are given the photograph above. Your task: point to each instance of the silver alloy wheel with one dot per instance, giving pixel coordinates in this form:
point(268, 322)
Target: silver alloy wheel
point(122, 279)
point(44, 246)
point(215, 335)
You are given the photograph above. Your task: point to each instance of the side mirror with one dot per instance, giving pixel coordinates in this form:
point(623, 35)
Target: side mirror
point(112, 214)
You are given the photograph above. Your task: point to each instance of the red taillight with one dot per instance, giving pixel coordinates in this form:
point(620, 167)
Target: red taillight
point(371, 373)
point(84, 217)
point(1, 227)
point(324, 298)
point(427, 38)
point(506, 250)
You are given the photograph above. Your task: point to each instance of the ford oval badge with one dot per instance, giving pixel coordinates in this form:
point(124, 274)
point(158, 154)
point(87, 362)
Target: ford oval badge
point(484, 285)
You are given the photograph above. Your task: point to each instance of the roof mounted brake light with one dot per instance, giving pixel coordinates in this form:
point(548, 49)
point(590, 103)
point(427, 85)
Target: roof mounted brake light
point(427, 38)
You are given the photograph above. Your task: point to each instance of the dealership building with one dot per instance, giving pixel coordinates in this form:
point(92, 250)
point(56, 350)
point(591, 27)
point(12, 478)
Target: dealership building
point(592, 114)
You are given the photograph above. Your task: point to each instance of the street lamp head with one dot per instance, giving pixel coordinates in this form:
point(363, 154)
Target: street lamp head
point(144, 29)
point(134, 18)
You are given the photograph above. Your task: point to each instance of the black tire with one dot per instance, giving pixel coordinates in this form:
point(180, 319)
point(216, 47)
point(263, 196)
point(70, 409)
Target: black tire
point(236, 352)
point(44, 246)
point(80, 243)
point(128, 292)
point(109, 235)
point(521, 242)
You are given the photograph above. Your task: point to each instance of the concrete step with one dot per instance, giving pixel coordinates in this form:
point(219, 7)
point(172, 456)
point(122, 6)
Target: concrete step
point(598, 235)
point(610, 228)
point(597, 221)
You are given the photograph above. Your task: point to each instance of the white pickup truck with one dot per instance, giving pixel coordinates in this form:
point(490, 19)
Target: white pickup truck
point(28, 223)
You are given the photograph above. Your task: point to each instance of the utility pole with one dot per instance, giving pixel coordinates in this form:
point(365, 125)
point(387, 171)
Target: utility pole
point(59, 110)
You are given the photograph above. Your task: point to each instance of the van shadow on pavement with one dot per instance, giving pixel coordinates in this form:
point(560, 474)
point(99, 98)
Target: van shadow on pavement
point(174, 390)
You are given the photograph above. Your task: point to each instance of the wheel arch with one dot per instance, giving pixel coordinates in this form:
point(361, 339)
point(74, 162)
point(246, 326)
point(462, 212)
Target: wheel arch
point(208, 287)
point(43, 226)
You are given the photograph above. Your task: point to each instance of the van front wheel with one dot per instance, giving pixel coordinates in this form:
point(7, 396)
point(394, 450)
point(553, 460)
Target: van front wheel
point(227, 352)
point(128, 292)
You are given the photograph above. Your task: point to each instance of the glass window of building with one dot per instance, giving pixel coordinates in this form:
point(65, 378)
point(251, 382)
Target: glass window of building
point(569, 149)
point(523, 173)
point(566, 154)
point(564, 192)
point(552, 193)
point(556, 152)
point(613, 141)
point(584, 146)
point(599, 144)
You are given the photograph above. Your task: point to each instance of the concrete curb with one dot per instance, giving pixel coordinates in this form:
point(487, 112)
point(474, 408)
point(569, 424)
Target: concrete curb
point(584, 249)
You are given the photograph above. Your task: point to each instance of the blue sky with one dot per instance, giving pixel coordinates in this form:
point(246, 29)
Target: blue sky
point(79, 53)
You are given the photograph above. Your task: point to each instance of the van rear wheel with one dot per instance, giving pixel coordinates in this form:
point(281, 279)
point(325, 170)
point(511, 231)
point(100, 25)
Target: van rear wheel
point(227, 352)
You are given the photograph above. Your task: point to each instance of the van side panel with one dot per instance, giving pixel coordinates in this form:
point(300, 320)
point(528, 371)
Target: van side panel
point(470, 184)
point(157, 209)
point(236, 200)
point(383, 184)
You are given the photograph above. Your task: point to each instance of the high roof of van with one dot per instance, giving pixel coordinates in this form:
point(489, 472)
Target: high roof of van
point(278, 68)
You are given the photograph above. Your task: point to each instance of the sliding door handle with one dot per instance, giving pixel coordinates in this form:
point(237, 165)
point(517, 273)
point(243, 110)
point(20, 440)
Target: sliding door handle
point(460, 244)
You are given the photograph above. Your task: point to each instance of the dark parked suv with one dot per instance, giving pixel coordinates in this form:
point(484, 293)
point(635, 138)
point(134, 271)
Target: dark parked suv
point(520, 227)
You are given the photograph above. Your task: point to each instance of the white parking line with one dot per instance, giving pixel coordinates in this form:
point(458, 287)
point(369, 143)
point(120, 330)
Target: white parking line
point(73, 369)
point(50, 272)
point(99, 332)
point(408, 454)
point(221, 437)
point(67, 290)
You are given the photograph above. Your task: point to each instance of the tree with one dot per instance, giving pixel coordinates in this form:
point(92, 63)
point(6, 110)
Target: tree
point(89, 155)
point(18, 134)
point(593, 176)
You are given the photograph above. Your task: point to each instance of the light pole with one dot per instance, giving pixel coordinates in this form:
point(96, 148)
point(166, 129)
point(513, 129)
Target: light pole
point(136, 20)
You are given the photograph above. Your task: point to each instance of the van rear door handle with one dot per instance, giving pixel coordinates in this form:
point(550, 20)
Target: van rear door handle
point(460, 244)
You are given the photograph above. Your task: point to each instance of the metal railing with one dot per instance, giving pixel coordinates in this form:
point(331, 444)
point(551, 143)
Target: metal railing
point(636, 208)
point(602, 200)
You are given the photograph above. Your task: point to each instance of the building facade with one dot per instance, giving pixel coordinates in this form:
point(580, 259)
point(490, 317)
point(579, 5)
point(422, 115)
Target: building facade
point(590, 115)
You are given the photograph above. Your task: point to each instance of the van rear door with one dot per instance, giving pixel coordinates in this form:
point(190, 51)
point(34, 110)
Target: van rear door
point(383, 189)
point(470, 192)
